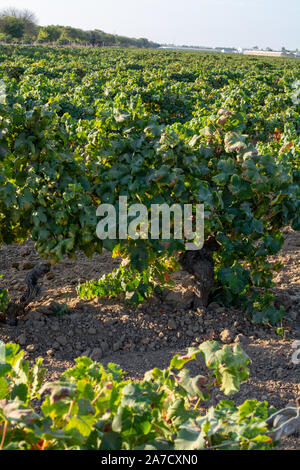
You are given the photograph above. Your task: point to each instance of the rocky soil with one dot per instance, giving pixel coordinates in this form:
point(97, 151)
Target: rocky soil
point(60, 327)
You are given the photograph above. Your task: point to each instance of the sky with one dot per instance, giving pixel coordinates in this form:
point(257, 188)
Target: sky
point(213, 23)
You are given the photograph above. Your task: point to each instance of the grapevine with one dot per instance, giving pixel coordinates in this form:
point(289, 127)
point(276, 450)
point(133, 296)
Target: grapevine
point(223, 136)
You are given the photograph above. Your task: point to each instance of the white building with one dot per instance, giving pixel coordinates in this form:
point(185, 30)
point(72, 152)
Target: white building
point(270, 53)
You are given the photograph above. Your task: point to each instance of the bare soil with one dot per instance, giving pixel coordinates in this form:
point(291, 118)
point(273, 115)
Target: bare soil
point(60, 327)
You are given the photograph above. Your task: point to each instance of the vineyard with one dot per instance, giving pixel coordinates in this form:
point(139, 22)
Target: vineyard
point(85, 127)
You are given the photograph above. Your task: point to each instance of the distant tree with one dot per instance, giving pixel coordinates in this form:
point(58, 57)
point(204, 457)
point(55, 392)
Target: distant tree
point(110, 40)
point(12, 27)
point(30, 21)
point(71, 35)
point(94, 38)
point(49, 34)
point(143, 42)
point(64, 39)
point(28, 18)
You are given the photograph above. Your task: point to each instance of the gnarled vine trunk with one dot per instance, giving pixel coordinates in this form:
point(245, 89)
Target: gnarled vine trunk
point(200, 264)
point(34, 290)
